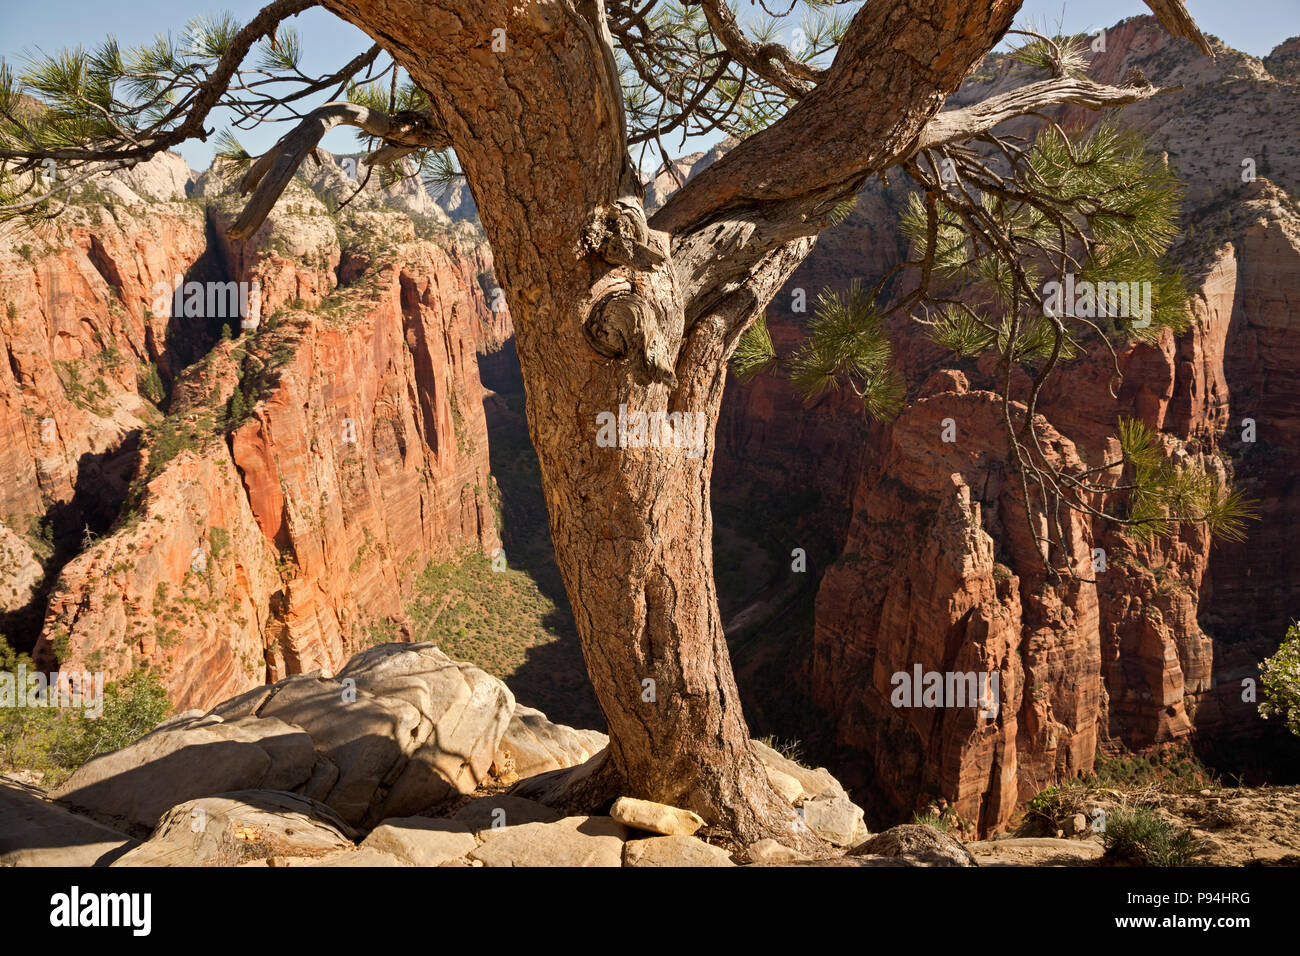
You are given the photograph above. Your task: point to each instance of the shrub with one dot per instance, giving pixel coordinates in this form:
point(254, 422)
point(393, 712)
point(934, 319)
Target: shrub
point(1174, 769)
point(56, 741)
point(1055, 808)
point(1136, 835)
point(936, 820)
point(133, 706)
point(1280, 682)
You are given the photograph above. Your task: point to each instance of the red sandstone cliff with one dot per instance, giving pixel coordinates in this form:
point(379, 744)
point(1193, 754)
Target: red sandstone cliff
point(303, 471)
point(1157, 650)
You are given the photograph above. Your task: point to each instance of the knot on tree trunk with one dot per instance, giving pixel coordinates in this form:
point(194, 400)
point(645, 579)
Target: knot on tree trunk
point(625, 325)
point(620, 236)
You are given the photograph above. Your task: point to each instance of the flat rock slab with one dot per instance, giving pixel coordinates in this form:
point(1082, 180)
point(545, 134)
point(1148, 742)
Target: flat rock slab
point(365, 856)
point(655, 817)
point(1036, 851)
point(674, 851)
point(573, 841)
point(36, 832)
point(503, 810)
point(422, 841)
point(232, 829)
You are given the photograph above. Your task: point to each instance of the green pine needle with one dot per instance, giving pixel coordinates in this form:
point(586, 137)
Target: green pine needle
point(754, 352)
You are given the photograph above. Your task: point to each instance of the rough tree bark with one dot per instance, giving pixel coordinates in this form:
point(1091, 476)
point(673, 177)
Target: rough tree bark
point(610, 311)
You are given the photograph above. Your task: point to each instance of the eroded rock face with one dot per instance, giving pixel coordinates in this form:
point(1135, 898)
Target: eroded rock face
point(922, 585)
point(20, 571)
point(1156, 651)
point(82, 342)
point(325, 457)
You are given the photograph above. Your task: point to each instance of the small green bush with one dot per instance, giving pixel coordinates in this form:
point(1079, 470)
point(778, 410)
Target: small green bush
point(1280, 682)
point(936, 820)
point(1136, 835)
point(57, 741)
point(1055, 808)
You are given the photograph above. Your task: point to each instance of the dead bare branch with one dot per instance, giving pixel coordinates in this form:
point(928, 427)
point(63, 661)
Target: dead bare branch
point(271, 173)
point(953, 126)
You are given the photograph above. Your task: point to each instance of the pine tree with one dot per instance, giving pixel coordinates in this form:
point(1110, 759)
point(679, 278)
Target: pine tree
point(541, 109)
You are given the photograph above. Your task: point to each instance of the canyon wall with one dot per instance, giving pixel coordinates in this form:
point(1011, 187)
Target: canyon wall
point(928, 568)
point(275, 503)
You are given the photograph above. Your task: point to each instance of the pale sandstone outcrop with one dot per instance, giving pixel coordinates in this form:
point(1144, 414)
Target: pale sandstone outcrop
point(403, 728)
point(679, 850)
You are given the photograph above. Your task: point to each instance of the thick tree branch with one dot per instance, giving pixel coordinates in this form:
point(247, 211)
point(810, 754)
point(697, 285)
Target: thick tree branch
point(782, 182)
point(956, 125)
point(271, 173)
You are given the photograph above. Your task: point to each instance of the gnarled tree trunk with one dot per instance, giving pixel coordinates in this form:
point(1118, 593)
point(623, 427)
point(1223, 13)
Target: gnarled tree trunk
point(610, 313)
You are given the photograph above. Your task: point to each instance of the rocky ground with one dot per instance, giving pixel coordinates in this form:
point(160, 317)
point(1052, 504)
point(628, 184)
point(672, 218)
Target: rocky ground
point(1232, 826)
point(407, 758)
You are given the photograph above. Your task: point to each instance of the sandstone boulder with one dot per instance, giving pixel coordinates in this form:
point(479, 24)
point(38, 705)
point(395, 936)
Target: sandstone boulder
point(421, 841)
point(815, 783)
point(655, 817)
point(918, 844)
point(402, 728)
point(835, 819)
point(769, 851)
point(533, 745)
point(674, 851)
point(465, 712)
point(784, 784)
point(139, 783)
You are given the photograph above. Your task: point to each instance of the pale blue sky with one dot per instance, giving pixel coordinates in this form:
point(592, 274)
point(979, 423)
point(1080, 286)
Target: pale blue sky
point(1255, 27)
